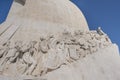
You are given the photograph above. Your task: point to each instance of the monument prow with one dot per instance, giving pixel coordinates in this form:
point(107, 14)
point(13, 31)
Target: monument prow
point(50, 40)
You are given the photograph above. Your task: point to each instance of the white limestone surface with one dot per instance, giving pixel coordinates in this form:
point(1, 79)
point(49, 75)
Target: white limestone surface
point(53, 11)
point(102, 65)
point(98, 58)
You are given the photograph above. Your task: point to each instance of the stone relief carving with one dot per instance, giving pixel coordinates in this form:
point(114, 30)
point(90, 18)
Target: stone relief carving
point(37, 58)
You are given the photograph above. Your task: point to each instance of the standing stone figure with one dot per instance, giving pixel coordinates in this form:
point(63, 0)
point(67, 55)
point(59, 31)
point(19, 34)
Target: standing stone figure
point(99, 31)
point(4, 49)
point(28, 58)
point(11, 55)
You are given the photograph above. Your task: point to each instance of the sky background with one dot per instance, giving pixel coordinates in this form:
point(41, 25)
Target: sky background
point(103, 13)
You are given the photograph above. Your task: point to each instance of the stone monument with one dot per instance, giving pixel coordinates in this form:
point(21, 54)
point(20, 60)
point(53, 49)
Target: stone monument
point(50, 40)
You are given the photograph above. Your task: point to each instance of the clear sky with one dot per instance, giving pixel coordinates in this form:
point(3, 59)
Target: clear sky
point(103, 13)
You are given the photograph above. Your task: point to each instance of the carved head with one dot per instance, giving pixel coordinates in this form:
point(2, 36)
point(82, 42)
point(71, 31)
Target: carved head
point(18, 44)
point(32, 43)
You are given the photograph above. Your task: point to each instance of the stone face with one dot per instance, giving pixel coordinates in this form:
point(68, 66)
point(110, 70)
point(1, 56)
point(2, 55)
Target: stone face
point(50, 40)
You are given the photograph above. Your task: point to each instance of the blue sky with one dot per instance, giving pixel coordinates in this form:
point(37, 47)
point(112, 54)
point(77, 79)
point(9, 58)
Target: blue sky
point(104, 13)
point(4, 9)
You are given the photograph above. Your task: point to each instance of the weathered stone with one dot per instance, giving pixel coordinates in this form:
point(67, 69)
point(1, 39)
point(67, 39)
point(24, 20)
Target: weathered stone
point(44, 40)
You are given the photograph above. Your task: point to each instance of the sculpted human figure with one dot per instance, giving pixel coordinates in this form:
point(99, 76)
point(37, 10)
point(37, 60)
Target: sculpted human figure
point(43, 45)
point(73, 53)
point(44, 51)
point(51, 52)
point(78, 32)
point(60, 51)
point(28, 58)
point(33, 49)
point(18, 46)
point(72, 47)
point(11, 56)
point(67, 53)
point(100, 32)
point(104, 37)
point(3, 52)
point(101, 38)
point(41, 56)
point(56, 55)
point(49, 57)
point(67, 36)
point(4, 49)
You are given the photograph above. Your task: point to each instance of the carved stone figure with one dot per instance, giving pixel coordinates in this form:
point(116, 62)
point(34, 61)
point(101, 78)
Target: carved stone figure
point(99, 31)
point(4, 49)
point(52, 61)
point(50, 52)
point(73, 53)
point(28, 58)
point(43, 45)
point(11, 55)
